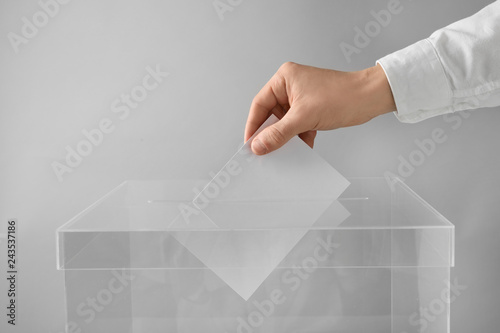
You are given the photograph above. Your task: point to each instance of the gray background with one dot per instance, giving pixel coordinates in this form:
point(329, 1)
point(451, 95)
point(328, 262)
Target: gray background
point(65, 78)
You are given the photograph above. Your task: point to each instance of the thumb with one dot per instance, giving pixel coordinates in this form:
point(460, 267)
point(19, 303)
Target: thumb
point(276, 135)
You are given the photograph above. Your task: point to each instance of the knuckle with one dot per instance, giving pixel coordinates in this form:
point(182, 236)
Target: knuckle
point(287, 66)
point(258, 100)
point(255, 100)
point(276, 134)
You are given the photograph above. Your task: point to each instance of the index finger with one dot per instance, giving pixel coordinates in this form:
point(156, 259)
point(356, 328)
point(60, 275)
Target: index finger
point(271, 95)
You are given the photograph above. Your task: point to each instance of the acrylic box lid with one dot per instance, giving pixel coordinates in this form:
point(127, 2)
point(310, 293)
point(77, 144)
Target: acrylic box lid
point(141, 213)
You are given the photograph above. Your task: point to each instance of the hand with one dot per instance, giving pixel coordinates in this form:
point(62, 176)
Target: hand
point(307, 99)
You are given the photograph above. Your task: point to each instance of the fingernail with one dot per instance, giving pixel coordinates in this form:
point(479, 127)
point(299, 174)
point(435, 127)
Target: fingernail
point(258, 147)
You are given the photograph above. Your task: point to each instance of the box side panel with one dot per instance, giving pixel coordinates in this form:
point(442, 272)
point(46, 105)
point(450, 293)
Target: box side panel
point(304, 299)
point(99, 301)
point(421, 300)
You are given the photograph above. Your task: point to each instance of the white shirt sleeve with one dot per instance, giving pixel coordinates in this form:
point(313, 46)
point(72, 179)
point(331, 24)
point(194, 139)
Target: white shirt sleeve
point(456, 68)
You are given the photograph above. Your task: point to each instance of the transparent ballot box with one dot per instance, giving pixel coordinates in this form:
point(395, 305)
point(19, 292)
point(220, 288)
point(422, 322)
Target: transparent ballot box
point(145, 259)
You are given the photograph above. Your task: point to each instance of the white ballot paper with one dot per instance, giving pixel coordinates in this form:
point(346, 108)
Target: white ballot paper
point(256, 209)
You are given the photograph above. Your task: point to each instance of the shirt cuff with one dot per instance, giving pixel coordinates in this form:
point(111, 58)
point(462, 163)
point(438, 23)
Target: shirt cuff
point(418, 81)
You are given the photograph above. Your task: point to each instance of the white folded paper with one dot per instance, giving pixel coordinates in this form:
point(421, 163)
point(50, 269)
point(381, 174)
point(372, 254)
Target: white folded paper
point(259, 208)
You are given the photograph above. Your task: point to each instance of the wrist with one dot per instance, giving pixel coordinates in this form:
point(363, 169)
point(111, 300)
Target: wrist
point(378, 91)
